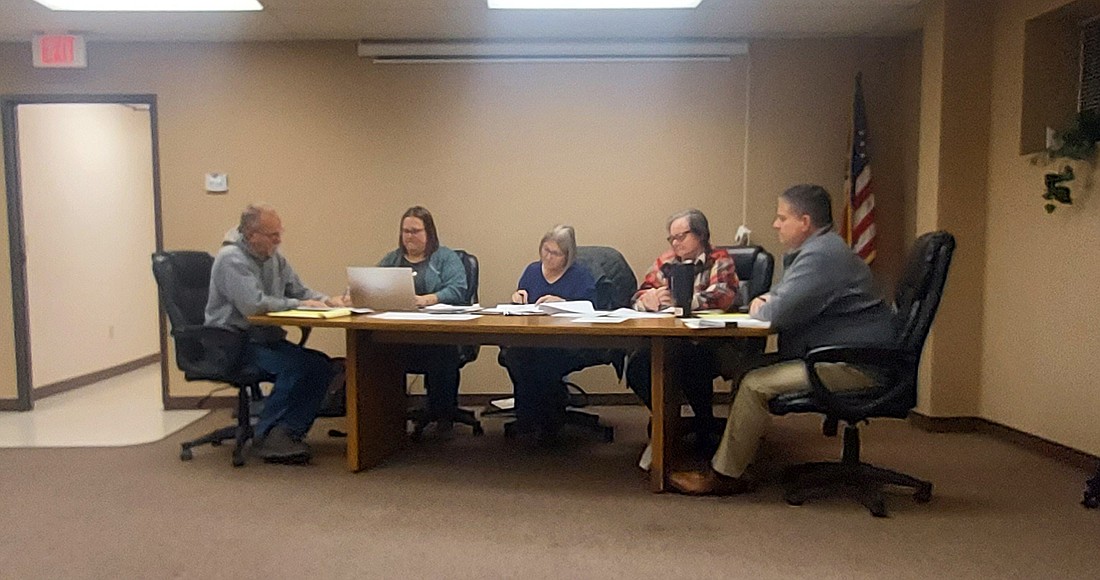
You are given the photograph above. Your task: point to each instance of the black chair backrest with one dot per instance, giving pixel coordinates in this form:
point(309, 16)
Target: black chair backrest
point(916, 299)
point(469, 262)
point(755, 269)
point(615, 281)
point(920, 288)
point(467, 353)
point(183, 279)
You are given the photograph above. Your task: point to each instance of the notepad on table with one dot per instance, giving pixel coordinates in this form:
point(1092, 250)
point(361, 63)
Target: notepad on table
point(697, 323)
point(727, 316)
point(741, 320)
point(299, 313)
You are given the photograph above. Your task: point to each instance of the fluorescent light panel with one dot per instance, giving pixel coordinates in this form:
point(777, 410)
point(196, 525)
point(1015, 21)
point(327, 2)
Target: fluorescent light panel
point(591, 4)
point(152, 5)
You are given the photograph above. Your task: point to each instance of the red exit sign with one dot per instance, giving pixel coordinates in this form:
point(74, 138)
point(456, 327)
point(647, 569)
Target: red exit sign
point(59, 51)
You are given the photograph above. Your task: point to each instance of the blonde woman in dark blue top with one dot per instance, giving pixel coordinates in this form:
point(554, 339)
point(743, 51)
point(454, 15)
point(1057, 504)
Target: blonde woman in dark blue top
point(537, 373)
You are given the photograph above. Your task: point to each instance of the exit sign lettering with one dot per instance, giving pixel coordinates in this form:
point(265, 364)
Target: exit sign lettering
point(59, 51)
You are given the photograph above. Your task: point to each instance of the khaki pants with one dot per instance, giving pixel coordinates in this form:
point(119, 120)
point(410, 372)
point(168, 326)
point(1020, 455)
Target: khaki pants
point(749, 414)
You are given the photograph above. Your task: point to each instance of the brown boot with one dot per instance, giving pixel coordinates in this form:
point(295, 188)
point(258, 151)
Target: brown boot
point(707, 482)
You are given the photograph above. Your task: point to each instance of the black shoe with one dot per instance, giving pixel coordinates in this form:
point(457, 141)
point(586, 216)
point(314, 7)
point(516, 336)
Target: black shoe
point(549, 435)
point(444, 429)
point(278, 446)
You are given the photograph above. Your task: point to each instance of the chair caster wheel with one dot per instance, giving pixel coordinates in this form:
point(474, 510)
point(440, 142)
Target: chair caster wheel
point(478, 430)
point(215, 443)
point(877, 508)
point(238, 458)
point(185, 454)
point(1091, 501)
point(794, 499)
point(923, 494)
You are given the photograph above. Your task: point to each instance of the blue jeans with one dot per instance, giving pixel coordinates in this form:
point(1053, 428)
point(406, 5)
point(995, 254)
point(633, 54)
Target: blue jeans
point(301, 376)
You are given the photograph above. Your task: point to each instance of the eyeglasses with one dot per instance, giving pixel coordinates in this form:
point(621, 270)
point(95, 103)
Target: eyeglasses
point(678, 237)
point(411, 231)
point(554, 253)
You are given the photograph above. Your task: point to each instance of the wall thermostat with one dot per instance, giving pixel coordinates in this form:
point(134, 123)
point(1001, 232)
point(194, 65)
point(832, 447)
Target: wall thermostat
point(217, 182)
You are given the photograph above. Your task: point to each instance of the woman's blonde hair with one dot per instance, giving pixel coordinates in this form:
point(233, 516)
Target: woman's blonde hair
point(565, 238)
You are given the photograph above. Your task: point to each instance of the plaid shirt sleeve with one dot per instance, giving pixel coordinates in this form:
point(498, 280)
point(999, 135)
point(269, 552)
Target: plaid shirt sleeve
point(716, 288)
point(654, 278)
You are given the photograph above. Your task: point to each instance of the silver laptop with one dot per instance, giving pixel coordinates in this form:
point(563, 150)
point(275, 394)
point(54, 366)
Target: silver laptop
point(381, 289)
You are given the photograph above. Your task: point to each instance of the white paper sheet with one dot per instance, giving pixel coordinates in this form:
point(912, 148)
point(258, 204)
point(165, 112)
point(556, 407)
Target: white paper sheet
point(630, 313)
point(513, 310)
point(450, 309)
point(423, 316)
point(598, 319)
point(568, 306)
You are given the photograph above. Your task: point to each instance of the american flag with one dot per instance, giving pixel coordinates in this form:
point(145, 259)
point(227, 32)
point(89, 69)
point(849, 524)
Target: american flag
point(859, 226)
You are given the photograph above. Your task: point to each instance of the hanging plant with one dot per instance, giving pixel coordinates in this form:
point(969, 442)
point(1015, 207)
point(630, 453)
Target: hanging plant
point(1077, 143)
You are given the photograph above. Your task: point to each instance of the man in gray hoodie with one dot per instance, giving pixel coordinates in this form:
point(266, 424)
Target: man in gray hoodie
point(825, 297)
point(251, 277)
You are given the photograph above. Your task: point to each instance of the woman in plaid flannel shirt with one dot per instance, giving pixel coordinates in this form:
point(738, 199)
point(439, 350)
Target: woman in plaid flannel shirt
point(715, 288)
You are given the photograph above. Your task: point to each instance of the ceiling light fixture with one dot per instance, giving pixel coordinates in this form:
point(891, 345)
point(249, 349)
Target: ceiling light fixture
point(152, 5)
point(591, 4)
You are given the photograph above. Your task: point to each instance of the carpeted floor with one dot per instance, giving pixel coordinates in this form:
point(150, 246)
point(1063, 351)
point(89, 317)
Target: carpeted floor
point(489, 507)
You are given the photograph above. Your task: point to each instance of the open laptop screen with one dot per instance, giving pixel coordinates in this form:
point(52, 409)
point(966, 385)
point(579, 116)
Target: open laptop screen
point(381, 289)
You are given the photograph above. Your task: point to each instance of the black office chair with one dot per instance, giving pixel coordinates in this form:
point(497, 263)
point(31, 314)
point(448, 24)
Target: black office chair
point(916, 299)
point(615, 285)
point(467, 353)
point(755, 267)
point(205, 353)
point(1092, 491)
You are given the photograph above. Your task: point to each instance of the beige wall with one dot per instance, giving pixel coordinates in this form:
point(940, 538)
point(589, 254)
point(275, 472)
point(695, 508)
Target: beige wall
point(954, 153)
point(1013, 341)
point(1039, 371)
point(89, 231)
point(498, 152)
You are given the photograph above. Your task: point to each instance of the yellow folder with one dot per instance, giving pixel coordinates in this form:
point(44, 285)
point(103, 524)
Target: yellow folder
point(331, 313)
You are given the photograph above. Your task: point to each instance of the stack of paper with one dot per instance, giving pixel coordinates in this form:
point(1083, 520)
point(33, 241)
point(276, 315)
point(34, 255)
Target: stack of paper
point(742, 320)
point(698, 323)
point(753, 323)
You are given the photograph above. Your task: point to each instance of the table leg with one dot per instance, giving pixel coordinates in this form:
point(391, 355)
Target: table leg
point(666, 410)
point(375, 400)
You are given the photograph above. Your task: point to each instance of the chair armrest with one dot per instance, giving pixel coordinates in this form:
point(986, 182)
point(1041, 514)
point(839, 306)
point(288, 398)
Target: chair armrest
point(209, 351)
point(890, 362)
point(879, 357)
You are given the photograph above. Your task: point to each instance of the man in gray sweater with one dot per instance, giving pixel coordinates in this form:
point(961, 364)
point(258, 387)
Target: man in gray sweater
point(825, 297)
point(251, 277)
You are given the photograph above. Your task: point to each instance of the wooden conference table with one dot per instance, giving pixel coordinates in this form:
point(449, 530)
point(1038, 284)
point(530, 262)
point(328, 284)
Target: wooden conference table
point(376, 380)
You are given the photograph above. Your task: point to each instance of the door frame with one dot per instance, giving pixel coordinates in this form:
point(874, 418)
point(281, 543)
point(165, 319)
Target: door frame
point(16, 239)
